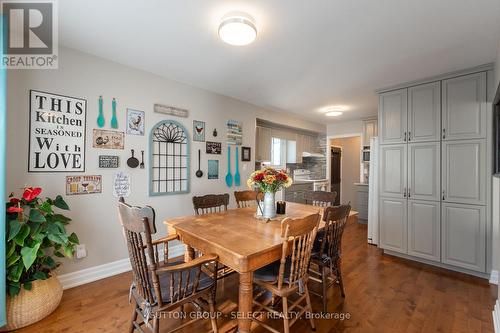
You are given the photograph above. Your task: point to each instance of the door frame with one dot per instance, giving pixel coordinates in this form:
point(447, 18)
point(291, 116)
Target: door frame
point(3, 148)
point(329, 154)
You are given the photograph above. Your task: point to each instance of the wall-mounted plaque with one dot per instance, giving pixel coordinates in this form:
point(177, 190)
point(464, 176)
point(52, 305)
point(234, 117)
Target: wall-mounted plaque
point(108, 139)
point(171, 110)
point(121, 184)
point(108, 161)
point(57, 133)
point(83, 185)
point(234, 133)
point(214, 147)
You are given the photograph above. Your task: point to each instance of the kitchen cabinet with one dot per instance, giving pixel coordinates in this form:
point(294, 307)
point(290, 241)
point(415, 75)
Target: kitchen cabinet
point(464, 107)
point(393, 230)
point(393, 116)
point(424, 112)
point(370, 129)
point(424, 171)
point(393, 170)
point(464, 171)
point(263, 143)
point(464, 236)
point(424, 229)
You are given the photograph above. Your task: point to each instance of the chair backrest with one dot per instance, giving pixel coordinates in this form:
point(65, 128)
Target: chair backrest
point(138, 225)
point(335, 221)
point(321, 198)
point(299, 234)
point(210, 203)
point(247, 198)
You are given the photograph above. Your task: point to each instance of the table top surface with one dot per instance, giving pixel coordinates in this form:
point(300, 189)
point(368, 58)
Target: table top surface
point(238, 230)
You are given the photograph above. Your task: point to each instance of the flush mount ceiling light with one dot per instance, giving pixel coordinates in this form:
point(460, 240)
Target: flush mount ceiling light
point(333, 114)
point(333, 109)
point(237, 29)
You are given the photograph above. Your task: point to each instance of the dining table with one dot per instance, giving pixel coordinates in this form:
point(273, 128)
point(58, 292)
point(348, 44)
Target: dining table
point(241, 241)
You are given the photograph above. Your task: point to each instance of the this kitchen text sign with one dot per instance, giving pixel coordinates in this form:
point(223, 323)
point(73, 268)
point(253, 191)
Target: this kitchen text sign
point(57, 133)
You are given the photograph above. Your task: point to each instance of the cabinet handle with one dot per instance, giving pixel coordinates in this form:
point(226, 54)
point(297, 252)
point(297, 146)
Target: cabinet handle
point(409, 136)
point(444, 133)
point(443, 196)
point(404, 193)
point(409, 192)
point(404, 139)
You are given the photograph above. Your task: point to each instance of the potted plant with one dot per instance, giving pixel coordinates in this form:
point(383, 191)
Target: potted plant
point(269, 181)
point(35, 235)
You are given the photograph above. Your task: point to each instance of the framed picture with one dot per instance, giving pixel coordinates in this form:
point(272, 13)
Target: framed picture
point(246, 155)
point(135, 122)
point(83, 184)
point(214, 147)
point(108, 161)
point(198, 130)
point(108, 139)
point(56, 137)
point(213, 169)
point(234, 132)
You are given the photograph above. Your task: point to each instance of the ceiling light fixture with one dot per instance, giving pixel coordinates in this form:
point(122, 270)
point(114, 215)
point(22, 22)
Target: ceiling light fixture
point(334, 114)
point(237, 29)
point(333, 108)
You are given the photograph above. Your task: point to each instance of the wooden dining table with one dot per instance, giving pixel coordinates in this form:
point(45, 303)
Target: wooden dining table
point(241, 241)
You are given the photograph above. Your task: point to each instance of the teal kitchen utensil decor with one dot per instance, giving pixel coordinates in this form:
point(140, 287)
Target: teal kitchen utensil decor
point(100, 118)
point(237, 180)
point(229, 177)
point(114, 121)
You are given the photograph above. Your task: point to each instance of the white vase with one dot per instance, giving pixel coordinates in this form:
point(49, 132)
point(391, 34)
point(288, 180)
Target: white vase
point(269, 210)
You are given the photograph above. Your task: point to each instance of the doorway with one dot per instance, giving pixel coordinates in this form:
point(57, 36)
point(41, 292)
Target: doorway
point(336, 171)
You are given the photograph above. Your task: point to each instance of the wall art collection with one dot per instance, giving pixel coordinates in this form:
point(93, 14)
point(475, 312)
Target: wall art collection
point(57, 133)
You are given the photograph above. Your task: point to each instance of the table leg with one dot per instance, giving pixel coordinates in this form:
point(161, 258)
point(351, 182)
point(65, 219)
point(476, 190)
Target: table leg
point(188, 254)
point(245, 302)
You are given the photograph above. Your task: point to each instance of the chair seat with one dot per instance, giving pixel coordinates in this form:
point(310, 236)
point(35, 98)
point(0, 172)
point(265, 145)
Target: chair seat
point(204, 283)
point(270, 273)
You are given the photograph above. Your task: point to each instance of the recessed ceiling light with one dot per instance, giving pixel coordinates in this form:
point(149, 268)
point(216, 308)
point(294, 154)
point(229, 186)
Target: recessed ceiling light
point(237, 29)
point(333, 108)
point(333, 114)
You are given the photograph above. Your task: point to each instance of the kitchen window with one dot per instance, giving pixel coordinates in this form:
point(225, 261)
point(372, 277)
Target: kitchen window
point(283, 150)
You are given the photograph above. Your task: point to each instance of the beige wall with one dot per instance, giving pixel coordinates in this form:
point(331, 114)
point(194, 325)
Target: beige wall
point(344, 128)
point(351, 149)
point(85, 76)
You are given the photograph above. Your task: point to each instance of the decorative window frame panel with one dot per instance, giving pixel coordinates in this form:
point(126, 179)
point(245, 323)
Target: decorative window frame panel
point(155, 150)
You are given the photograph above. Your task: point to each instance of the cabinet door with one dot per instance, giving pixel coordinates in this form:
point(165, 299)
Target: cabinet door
point(464, 107)
point(392, 115)
point(424, 171)
point(464, 171)
point(464, 236)
point(393, 171)
point(424, 112)
point(369, 130)
point(263, 144)
point(424, 229)
point(393, 225)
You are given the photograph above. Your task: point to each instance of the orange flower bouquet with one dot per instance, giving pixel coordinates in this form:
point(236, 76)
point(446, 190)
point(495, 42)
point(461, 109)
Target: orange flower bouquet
point(269, 180)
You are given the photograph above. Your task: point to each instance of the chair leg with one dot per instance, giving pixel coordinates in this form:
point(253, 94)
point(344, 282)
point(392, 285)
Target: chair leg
point(339, 277)
point(309, 307)
point(213, 314)
point(156, 324)
point(324, 285)
point(286, 322)
point(132, 320)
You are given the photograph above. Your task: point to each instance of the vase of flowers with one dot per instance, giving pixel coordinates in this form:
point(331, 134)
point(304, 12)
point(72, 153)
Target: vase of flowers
point(269, 181)
point(36, 235)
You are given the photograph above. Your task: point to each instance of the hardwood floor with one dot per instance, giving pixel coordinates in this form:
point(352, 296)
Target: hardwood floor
point(383, 294)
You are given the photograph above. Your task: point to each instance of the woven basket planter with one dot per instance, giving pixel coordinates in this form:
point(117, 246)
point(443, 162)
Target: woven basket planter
point(33, 305)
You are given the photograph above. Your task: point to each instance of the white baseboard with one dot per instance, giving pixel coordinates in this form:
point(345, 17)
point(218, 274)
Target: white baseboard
point(95, 273)
point(496, 317)
point(494, 277)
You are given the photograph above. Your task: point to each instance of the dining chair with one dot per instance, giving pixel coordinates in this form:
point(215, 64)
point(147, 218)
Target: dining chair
point(288, 276)
point(327, 251)
point(159, 286)
point(247, 198)
point(210, 203)
point(320, 198)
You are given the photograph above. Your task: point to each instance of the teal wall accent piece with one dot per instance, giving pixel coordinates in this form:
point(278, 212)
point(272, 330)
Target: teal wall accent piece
point(169, 159)
point(114, 121)
point(100, 118)
point(3, 158)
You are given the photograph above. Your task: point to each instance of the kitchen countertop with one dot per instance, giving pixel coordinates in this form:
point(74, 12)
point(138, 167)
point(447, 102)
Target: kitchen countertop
point(309, 181)
point(362, 184)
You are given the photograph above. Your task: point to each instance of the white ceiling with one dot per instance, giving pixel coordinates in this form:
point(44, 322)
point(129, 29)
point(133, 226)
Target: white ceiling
point(308, 53)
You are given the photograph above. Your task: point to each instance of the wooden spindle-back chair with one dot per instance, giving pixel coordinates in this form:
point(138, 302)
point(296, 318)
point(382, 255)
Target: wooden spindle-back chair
point(210, 203)
point(160, 286)
point(247, 198)
point(289, 275)
point(327, 255)
point(321, 198)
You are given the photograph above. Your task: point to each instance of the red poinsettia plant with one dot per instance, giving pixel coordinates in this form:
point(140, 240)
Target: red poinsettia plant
point(36, 233)
point(269, 180)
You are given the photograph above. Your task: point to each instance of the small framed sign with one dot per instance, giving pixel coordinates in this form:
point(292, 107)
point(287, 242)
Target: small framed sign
point(108, 139)
point(246, 155)
point(214, 147)
point(121, 184)
point(198, 130)
point(108, 161)
point(83, 184)
point(135, 122)
point(213, 169)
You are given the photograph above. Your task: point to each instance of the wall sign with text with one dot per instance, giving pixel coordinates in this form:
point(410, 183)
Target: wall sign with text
point(57, 133)
point(108, 161)
point(83, 184)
